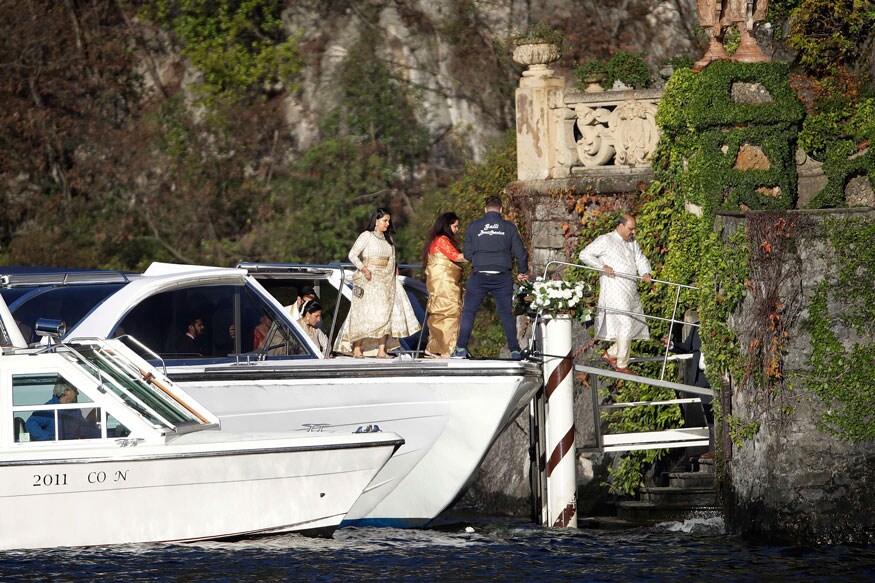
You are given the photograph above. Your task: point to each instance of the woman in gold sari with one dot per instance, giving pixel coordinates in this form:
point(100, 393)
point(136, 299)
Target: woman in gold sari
point(380, 310)
point(443, 275)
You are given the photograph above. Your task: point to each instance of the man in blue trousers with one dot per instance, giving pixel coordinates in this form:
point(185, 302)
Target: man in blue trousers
point(491, 245)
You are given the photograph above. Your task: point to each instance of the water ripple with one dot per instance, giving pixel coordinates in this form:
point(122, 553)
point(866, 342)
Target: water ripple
point(496, 549)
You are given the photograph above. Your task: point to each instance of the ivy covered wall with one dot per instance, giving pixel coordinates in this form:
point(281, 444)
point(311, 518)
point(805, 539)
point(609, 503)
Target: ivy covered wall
point(804, 406)
point(783, 358)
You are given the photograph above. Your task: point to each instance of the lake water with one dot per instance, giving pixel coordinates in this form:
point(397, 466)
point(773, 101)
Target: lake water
point(479, 548)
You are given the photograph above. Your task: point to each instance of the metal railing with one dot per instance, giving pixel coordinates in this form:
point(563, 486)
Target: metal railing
point(657, 439)
point(671, 321)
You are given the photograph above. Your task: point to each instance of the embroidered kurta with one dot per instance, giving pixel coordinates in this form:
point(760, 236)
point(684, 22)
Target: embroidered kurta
point(384, 308)
point(618, 292)
point(443, 279)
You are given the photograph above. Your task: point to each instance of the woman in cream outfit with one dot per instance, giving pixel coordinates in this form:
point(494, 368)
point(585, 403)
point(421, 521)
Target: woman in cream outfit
point(443, 276)
point(380, 310)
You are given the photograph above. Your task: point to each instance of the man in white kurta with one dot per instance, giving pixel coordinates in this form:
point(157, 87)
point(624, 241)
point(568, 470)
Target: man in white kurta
point(617, 254)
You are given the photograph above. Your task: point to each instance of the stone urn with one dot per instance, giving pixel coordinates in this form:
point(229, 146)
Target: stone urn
point(593, 82)
point(536, 56)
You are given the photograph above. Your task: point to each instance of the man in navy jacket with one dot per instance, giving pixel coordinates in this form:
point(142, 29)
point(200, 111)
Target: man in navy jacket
point(491, 245)
point(41, 424)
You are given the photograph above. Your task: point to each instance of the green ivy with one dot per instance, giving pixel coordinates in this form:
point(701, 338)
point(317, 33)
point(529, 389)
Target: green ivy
point(841, 378)
point(705, 130)
point(627, 67)
point(741, 431)
point(723, 270)
point(710, 104)
point(830, 34)
point(842, 134)
point(842, 375)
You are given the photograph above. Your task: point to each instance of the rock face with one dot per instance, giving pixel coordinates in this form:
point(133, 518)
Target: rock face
point(792, 481)
point(452, 53)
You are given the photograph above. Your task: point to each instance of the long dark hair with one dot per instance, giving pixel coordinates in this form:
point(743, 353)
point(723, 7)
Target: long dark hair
point(441, 227)
point(379, 214)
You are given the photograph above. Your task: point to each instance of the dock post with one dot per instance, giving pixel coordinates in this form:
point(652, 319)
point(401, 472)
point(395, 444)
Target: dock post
point(559, 390)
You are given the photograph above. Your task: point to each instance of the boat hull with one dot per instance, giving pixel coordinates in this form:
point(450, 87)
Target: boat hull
point(449, 414)
point(183, 493)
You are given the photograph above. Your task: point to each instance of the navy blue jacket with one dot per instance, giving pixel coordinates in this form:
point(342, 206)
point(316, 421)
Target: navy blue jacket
point(41, 424)
point(492, 243)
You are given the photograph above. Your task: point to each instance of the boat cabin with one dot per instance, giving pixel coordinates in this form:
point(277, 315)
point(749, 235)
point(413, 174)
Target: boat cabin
point(96, 391)
point(223, 306)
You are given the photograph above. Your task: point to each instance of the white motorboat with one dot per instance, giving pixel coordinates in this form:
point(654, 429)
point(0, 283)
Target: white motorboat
point(449, 412)
point(97, 447)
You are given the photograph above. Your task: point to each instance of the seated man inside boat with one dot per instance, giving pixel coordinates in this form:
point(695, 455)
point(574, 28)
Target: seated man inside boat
point(192, 341)
point(71, 423)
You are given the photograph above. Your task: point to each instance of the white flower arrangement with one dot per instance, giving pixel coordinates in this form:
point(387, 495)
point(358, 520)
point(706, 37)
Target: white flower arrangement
point(559, 296)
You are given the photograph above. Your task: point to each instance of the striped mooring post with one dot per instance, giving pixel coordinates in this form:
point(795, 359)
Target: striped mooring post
point(561, 464)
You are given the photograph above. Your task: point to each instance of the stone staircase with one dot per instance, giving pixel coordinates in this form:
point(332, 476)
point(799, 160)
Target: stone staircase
point(685, 494)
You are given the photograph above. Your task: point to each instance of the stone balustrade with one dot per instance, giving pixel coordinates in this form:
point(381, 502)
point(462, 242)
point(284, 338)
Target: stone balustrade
point(563, 132)
point(611, 128)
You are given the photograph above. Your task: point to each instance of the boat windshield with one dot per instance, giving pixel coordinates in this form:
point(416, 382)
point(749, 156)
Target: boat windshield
point(209, 322)
point(139, 389)
point(69, 304)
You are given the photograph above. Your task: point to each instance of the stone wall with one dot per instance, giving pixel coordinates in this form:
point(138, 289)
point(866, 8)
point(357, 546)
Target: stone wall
point(793, 481)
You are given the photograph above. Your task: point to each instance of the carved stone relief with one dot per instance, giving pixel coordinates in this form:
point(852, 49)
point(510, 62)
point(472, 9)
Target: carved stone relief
point(620, 132)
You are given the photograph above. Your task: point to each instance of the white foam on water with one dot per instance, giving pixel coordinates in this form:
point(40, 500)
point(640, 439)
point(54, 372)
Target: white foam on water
point(711, 524)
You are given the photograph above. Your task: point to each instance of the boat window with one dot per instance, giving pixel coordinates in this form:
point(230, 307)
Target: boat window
point(139, 389)
point(114, 428)
point(48, 407)
point(69, 304)
point(208, 322)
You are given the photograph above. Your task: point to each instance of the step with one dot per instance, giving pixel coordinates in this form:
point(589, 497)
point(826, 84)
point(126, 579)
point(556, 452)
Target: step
point(679, 497)
point(691, 480)
point(647, 513)
point(703, 466)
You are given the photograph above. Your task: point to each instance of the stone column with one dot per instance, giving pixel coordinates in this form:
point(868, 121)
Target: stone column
point(537, 128)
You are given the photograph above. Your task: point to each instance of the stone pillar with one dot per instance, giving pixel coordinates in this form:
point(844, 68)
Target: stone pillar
point(537, 128)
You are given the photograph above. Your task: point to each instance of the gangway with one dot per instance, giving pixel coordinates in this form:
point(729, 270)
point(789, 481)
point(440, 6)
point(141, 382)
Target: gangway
point(657, 439)
point(543, 462)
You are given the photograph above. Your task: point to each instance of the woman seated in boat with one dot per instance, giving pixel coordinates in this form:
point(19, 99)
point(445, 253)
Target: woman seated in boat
point(443, 276)
point(380, 310)
point(260, 332)
point(311, 314)
point(71, 424)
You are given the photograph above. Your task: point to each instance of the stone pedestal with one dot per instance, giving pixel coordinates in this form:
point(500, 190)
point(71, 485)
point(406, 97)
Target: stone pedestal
point(536, 129)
